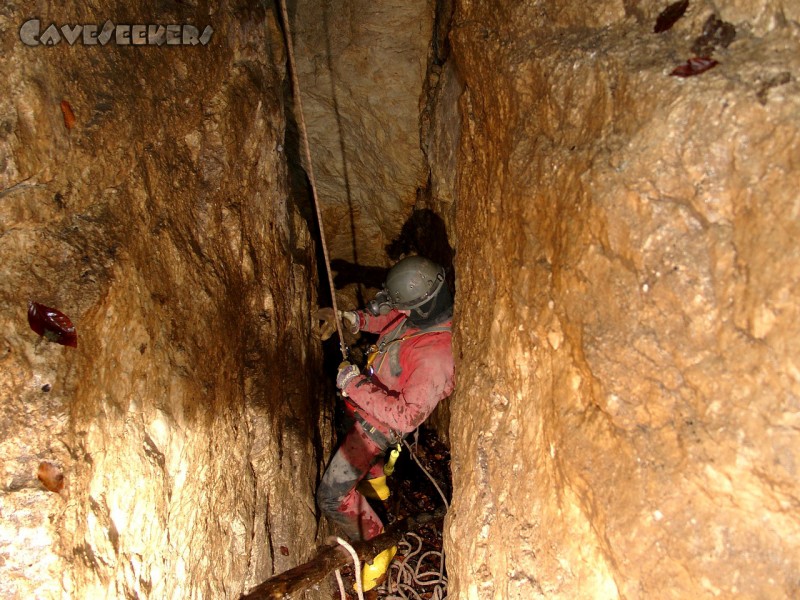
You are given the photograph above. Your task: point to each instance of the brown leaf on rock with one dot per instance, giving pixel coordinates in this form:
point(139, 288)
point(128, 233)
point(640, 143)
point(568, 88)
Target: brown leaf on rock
point(670, 15)
point(51, 476)
point(694, 66)
point(69, 115)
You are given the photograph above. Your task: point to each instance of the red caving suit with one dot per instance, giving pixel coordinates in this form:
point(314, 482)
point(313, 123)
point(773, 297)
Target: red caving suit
point(412, 374)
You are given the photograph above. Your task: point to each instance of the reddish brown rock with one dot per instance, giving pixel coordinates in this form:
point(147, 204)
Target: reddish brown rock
point(51, 476)
point(625, 422)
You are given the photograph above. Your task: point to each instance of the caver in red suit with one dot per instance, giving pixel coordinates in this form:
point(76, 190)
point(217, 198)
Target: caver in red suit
point(410, 371)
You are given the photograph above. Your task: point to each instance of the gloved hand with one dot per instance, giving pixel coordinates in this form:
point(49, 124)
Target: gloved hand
point(328, 325)
point(350, 320)
point(347, 373)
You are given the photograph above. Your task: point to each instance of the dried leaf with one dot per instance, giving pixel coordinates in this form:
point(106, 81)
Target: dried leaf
point(694, 66)
point(54, 325)
point(670, 15)
point(69, 116)
point(51, 476)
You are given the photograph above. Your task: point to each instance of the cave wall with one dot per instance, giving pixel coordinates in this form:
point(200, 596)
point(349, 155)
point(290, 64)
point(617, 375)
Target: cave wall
point(362, 68)
point(625, 420)
point(626, 416)
point(187, 433)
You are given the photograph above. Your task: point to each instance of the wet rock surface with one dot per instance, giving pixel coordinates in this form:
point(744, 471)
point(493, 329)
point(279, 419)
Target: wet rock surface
point(625, 422)
point(143, 192)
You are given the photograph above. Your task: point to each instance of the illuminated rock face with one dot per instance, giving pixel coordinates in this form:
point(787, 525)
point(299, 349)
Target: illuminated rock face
point(184, 424)
point(626, 417)
point(362, 67)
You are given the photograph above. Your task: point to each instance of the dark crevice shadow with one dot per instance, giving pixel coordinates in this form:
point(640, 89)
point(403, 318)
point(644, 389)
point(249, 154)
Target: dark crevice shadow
point(443, 16)
point(425, 234)
point(300, 196)
point(348, 273)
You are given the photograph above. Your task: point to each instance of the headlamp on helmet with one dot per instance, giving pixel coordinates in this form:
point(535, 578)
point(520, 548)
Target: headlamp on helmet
point(380, 304)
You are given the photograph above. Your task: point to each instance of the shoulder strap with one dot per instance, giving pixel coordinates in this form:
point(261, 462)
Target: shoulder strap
point(392, 344)
point(436, 329)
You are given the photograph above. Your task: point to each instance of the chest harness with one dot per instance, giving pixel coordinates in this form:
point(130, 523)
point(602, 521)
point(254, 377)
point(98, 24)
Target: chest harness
point(391, 344)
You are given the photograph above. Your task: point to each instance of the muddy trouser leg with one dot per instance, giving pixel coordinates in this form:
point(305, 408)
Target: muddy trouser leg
point(337, 495)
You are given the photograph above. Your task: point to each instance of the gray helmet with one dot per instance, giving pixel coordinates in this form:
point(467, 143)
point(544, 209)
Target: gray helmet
point(413, 281)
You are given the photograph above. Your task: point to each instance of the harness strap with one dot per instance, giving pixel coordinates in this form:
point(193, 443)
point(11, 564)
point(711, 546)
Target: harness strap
point(378, 436)
point(383, 347)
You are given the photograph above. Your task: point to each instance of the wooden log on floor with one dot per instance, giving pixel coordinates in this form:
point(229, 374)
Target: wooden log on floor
point(335, 557)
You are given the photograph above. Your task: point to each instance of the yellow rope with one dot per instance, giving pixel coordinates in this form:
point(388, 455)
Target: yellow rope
point(310, 170)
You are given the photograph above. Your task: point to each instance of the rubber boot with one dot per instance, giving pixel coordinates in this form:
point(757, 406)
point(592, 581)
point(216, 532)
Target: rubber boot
point(372, 573)
point(375, 489)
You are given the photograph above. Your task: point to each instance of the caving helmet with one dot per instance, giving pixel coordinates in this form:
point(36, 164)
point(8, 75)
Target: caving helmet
point(410, 283)
point(413, 281)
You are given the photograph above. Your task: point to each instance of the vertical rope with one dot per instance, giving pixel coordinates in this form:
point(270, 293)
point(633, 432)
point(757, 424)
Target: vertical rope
point(310, 170)
point(424, 470)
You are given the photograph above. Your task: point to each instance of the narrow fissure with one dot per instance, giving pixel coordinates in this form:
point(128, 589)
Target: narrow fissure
point(424, 234)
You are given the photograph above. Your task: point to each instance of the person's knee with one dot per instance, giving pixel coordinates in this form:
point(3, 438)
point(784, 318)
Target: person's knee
point(327, 500)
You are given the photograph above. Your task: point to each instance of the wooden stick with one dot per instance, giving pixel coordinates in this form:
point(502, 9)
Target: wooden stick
point(335, 557)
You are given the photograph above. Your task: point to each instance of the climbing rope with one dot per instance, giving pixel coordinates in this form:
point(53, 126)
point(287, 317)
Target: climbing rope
point(310, 171)
point(356, 565)
point(403, 580)
point(407, 573)
point(424, 470)
point(413, 572)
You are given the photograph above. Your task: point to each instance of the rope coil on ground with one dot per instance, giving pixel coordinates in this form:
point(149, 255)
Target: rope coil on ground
point(402, 579)
point(412, 572)
point(356, 565)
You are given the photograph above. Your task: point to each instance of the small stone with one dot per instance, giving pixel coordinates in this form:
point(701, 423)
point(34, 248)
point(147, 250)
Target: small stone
point(555, 338)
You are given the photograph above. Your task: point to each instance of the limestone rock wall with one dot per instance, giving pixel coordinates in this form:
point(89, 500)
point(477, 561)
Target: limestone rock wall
point(185, 428)
point(626, 416)
point(362, 67)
